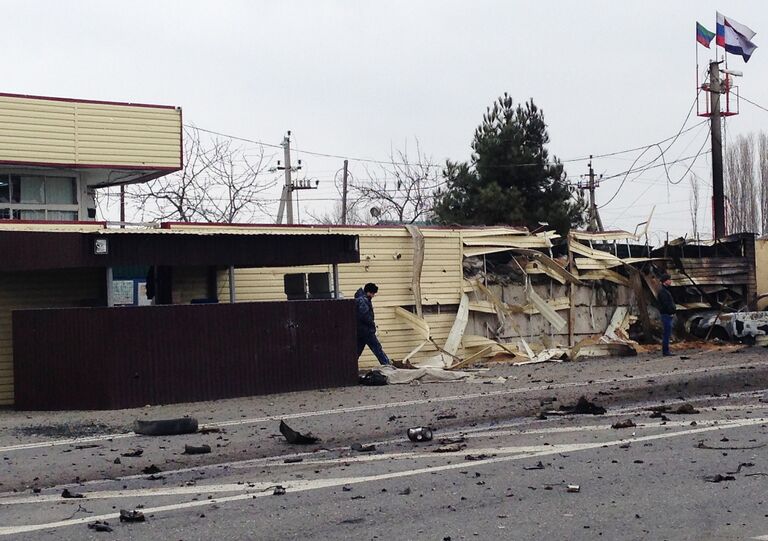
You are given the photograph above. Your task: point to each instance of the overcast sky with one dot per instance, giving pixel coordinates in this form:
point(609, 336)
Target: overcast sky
point(355, 78)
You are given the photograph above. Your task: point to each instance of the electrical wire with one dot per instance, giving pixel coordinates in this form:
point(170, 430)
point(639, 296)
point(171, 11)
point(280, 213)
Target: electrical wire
point(437, 166)
point(753, 103)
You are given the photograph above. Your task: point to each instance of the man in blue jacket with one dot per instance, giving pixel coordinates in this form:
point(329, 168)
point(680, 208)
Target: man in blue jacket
point(366, 326)
point(667, 307)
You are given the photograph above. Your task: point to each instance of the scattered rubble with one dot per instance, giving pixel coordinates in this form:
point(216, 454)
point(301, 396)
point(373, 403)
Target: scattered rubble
point(360, 448)
point(420, 433)
point(67, 494)
point(718, 478)
point(296, 438)
point(100, 526)
point(151, 470)
point(584, 407)
point(279, 490)
point(132, 516)
point(628, 423)
point(133, 453)
point(166, 427)
point(197, 449)
point(538, 466)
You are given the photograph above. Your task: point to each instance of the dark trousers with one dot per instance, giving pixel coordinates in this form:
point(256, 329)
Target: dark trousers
point(369, 339)
point(666, 321)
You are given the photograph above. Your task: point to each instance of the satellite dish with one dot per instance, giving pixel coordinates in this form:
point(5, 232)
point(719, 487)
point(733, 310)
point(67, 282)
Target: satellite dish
point(375, 212)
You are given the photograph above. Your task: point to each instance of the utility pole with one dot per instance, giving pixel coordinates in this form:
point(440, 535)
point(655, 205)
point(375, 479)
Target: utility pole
point(718, 196)
point(344, 194)
point(595, 223)
point(286, 198)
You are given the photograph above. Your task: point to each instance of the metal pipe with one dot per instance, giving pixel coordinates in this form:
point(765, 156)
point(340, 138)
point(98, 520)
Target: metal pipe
point(231, 284)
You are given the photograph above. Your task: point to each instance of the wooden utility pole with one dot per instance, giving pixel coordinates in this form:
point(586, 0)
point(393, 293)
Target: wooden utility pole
point(718, 195)
point(344, 194)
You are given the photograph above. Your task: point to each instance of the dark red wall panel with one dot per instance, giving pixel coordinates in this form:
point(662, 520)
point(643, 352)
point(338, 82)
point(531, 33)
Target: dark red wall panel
point(108, 358)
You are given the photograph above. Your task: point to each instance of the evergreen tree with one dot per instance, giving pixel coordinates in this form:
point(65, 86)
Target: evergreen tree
point(510, 179)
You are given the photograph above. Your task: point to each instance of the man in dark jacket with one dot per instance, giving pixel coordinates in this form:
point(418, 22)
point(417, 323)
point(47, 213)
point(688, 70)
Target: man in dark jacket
point(366, 326)
point(667, 308)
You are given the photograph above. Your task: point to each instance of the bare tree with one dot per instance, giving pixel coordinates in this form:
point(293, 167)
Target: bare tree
point(762, 163)
point(356, 215)
point(740, 185)
point(693, 204)
point(402, 190)
point(219, 182)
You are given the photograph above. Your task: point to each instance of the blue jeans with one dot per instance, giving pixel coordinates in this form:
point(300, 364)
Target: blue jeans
point(666, 321)
point(369, 339)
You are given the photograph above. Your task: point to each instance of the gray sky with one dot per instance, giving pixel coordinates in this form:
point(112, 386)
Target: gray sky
point(354, 78)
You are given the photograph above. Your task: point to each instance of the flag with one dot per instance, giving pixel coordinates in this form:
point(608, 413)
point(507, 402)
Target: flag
point(703, 35)
point(734, 37)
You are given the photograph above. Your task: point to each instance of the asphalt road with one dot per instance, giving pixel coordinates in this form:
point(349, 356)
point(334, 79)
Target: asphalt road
point(643, 482)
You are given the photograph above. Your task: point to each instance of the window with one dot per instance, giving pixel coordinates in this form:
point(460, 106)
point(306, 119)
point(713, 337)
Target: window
point(313, 285)
point(38, 197)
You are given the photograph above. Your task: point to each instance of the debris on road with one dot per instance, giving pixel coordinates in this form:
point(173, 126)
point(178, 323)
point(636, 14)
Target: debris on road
point(538, 466)
point(100, 526)
point(583, 407)
point(166, 427)
point(628, 423)
point(293, 460)
point(702, 445)
point(481, 456)
point(279, 490)
point(133, 453)
point(373, 378)
point(683, 409)
point(209, 430)
point(450, 448)
point(132, 516)
point(718, 478)
point(405, 492)
point(360, 448)
point(296, 438)
point(67, 494)
point(446, 416)
point(197, 449)
point(658, 415)
point(573, 488)
point(151, 470)
point(420, 433)
point(742, 465)
point(449, 441)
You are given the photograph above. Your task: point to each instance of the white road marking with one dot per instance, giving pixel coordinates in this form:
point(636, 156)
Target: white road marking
point(141, 493)
point(305, 485)
point(370, 407)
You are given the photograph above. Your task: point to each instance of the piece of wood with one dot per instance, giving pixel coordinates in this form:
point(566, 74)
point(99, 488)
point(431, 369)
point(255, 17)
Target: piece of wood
point(419, 324)
point(418, 264)
point(471, 358)
point(547, 311)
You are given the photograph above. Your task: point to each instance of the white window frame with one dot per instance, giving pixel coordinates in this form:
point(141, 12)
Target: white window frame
point(45, 207)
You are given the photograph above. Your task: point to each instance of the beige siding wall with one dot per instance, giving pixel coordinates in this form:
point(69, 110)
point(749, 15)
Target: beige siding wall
point(70, 132)
point(761, 269)
point(386, 258)
point(189, 283)
point(42, 289)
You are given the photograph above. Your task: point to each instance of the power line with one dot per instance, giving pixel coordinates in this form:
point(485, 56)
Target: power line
point(753, 103)
point(433, 166)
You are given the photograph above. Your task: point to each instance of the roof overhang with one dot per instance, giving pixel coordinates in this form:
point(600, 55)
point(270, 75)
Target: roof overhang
point(40, 250)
